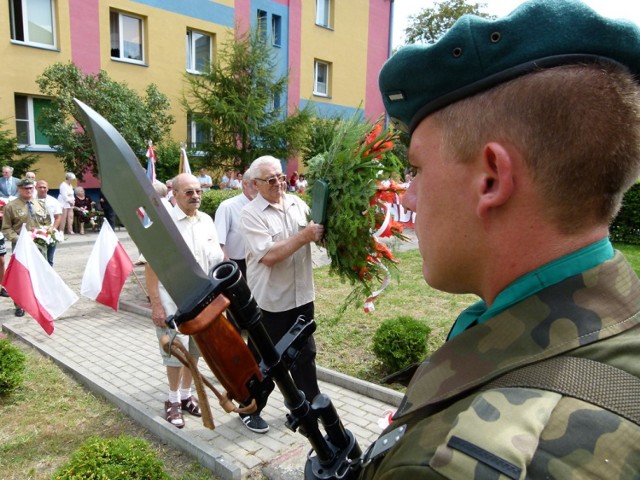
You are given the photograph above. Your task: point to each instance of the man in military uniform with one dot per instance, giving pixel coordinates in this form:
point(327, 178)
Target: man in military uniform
point(525, 134)
point(23, 210)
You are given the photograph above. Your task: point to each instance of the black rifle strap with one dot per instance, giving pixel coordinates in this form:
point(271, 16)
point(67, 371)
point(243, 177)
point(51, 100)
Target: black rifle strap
point(594, 382)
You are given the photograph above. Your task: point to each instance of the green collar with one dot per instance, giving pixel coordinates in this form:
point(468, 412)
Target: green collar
point(534, 281)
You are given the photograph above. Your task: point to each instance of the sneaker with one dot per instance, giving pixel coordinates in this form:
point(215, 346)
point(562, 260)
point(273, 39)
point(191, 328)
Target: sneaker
point(255, 423)
point(4, 293)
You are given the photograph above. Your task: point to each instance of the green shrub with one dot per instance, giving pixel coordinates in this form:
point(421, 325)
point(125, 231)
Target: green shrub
point(12, 365)
point(121, 458)
point(400, 341)
point(626, 226)
point(211, 200)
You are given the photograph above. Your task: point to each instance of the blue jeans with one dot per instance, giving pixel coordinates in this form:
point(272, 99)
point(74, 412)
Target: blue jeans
point(51, 250)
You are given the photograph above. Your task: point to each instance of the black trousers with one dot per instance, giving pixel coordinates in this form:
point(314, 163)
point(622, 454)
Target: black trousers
point(303, 370)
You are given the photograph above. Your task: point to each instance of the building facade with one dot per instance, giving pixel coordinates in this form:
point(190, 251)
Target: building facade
point(332, 51)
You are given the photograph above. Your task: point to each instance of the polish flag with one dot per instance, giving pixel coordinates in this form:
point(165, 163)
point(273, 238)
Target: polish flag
point(151, 163)
point(34, 285)
point(107, 269)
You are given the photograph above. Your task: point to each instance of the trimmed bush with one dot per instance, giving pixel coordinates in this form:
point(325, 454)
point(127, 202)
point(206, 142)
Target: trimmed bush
point(211, 200)
point(401, 341)
point(12, 365)
point(121, 458)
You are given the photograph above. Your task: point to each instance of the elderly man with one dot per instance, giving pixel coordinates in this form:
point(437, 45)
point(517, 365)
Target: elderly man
point(24, 210)
point(199, 233)
point(525, 134)
point(8, 183)
point(228, 224)
point(279, 270)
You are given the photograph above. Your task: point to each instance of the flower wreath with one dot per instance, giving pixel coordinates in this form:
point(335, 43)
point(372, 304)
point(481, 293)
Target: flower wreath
point(45, 236)
point(358, 159)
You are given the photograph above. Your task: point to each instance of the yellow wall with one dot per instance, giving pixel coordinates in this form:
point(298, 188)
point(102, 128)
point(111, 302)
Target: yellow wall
point(344, 46)
point(165, 53)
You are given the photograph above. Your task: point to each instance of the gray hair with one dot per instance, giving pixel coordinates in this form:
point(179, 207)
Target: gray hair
point(69, 176)
point(258, 163)
point(161, 188)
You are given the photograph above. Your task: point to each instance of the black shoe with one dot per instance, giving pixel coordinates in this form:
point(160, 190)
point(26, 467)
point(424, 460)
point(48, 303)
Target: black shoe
point(19, 312)
point(4, 293)
point(255, 423)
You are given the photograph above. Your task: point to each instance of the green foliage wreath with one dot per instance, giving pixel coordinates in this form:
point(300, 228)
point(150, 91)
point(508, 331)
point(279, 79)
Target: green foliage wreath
point(358, 160)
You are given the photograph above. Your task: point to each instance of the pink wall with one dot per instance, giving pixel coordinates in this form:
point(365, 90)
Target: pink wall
point(85, 34)
point(242, 14)
point(85, 48)
point(295, 39)
point(377, 54)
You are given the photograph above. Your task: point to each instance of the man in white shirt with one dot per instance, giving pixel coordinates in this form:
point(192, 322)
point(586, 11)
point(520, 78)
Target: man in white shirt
point(199, 233)
point(279, 270)
point(228, 224)
point(55, 212)
point(204, 179)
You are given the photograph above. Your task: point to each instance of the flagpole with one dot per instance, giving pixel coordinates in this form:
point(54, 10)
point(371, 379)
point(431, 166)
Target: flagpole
point(141, 286)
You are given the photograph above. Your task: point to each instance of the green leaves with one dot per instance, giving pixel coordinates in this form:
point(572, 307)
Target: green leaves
point(138, 118)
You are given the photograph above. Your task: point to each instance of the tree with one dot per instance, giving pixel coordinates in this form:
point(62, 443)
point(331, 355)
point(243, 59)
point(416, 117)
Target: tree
point(236, 100)
point(431, 23)
point(11, 155)
point(138, 119)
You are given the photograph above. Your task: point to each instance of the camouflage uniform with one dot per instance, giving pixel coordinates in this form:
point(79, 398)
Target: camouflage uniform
point(522, 432)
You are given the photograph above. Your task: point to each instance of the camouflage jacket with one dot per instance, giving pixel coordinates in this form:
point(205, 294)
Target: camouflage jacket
point(452, 430)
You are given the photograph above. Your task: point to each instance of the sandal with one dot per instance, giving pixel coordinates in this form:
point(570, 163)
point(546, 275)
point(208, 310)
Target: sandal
point(191, 405)
point(173, 414)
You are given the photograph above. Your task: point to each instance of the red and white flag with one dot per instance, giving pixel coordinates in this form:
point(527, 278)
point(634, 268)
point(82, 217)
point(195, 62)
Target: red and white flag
point(34, 285)
point(151, 163)
point(107, 269)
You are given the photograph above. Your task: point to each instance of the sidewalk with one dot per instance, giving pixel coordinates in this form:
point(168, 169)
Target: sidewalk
point(115, 354)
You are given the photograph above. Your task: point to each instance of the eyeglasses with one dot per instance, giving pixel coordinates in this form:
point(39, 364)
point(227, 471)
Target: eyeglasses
point(273, 180)
point(191, 193)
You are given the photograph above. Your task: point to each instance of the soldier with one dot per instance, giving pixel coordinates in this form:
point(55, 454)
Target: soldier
point(525, 134)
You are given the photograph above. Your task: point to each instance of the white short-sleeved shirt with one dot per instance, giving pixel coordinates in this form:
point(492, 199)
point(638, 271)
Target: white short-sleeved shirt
point(289, 283)
point(199, 233)
point(228, 226)
point(53, 207)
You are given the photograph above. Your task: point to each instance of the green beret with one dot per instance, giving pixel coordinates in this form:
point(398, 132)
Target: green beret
point(477, 54)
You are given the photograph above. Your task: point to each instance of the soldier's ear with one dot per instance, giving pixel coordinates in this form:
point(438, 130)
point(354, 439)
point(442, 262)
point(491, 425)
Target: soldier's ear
point(496, 178)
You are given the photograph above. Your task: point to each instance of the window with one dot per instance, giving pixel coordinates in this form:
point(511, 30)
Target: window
point(276, 30)
point(198, 51)
point(126, 37)
point(323, 13)
point(197, 132)
point(27, 113)
point(261, 25)
point(321, 78)
point(32, 22)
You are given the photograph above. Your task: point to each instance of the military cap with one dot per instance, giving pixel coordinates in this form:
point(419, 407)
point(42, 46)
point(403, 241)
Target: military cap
point(25, 182)
point(478, 53)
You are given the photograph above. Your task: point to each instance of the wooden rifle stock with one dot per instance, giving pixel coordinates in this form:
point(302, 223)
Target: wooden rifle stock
point(223, 348)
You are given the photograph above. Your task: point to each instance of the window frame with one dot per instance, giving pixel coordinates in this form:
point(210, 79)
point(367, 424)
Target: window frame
point(192, 51)
point(324, 12)
point(276, 30)
point(327, 83)
point(24, 29)
point(261, 24)
point(196, 131)
point(121, 40)
point(33, 131)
